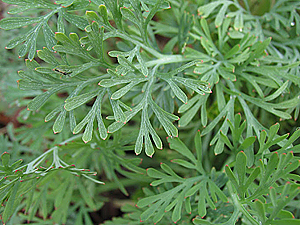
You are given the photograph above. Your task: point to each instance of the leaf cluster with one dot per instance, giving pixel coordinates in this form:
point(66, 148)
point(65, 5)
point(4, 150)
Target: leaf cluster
point(115, 77)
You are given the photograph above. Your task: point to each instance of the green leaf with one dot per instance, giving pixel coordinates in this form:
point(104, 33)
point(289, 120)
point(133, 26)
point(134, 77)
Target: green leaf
point(47, 56)
point(285, 221)
point(168, 170)
point(101, 126)
point(89, 118)
point(59, 122)
point(260, 209)
point(30, 45)
point(247, 143)
point(226, 74)
point(10, 207)
point(231, 176)
point(71, 71)
point(272, 164)
point(92, 16)
point(225, 139)
point(206, 9)
point(92, 179)
point(126, 63)
point(20, 9)
point(189, 115)
point(49, 36)
point(84, 193)
point(200, 221)
point(163, 118)
point(118, 112)
point(127, 14)
point(114, 8)
point(74, 102)
point(122, 91)
point(154, 135)
point(64, 3)
point(139, 144)
point(221, 15)
point(176, 215)
point(149, 150)
point(198, 86)
point(113, 82)
point(252, 177)
point(155, 173)
point(188, 207)
point(142, 64)
point(184, 163)
point(180, 147)
point(214, 188)
point(240, 167)
point(201, 204)
point(239, 21)
point(17, 22)
point(290, 141)
point(78, 21)
point(177, 91)
point(278, 92)
point(103, 13)
point(18, 40)
point(53, 113)
point(40, 100)
point(218, 118)
point(96, 39)
point(193, 190)
point(234, 50)
point(5, 157)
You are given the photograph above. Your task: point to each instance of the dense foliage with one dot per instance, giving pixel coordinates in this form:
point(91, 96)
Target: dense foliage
point(219, 79)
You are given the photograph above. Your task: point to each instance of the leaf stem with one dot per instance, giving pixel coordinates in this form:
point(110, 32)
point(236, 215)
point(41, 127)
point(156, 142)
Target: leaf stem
point(239, 206)
point(167, 59)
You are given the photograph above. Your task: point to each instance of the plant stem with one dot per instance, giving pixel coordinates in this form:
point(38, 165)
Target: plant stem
point(167, 59)
point(239, 206)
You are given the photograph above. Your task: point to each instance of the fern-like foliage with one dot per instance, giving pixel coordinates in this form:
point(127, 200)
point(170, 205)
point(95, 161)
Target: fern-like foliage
point(63, 9)
point(19, 180)
point(103, 75)
point(89, 48)
point(48, 185)
point(237, 191)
